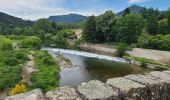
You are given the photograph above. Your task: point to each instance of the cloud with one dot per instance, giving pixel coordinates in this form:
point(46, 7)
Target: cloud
point(136, 1)
point(34, 9)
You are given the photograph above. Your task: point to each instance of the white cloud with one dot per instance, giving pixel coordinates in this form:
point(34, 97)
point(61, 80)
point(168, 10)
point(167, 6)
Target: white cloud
point(136, 1)
point(34, 9)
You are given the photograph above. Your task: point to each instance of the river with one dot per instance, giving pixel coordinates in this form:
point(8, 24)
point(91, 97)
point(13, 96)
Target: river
point(90, 66)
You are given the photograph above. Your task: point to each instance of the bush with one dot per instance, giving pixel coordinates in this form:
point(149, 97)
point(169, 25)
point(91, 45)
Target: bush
point(11, 61)
point(121, 49)
point(6, 44)
point(47, 76)
point(160, 42)
point(60, 41)
point(31, 42)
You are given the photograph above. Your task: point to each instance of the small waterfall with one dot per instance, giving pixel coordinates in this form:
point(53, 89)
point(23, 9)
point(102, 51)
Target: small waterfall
point(85, 54)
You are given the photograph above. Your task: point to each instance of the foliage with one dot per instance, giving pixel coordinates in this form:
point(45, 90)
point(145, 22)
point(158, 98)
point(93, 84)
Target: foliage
point(19, 88)
point(47, 75)
point(31, 42)
point(160, 42)
point(10, 68)
point(129, 28)
point(90, 30)
point(5, 44)
point(169, 22)
point(152, 25)
point(106, 27)
point(121, 49)
point(43, 24)
point(66, 33)
point(163, 26)
point(126, 12)
point(60, 41)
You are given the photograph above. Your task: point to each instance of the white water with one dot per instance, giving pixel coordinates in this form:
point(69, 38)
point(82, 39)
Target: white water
point(85, 54)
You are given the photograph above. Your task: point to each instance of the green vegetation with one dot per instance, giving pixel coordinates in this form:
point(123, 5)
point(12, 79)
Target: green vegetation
point(149, 61)
point(47, 76)
point(6, 44)
point(30, 42)
point(10, 68)
point(121, 49)
point(161, 42)
point(130, 29)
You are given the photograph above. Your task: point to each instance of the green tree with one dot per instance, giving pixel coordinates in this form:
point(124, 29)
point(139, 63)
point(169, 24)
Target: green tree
point(163, 26)
point(43, 24)
point(60, 41)
point(129, 28)
point(31, 42)
point(169, 22)
point(127, 11)
point(106, 27)
point(90, 30)
point(152, 25)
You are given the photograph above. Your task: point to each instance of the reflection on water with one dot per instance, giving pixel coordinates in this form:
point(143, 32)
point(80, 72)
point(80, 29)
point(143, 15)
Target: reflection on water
point(91, 68)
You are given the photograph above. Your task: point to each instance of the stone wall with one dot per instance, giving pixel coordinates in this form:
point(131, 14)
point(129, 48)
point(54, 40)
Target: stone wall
point(153, 86)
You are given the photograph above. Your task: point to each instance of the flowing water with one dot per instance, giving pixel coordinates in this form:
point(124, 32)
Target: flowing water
point(92, 66)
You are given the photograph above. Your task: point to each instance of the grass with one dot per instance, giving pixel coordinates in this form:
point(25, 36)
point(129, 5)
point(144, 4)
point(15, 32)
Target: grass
point(149, 61)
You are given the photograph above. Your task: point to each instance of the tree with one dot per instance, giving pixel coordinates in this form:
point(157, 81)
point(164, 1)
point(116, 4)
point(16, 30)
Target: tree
point(60, 41)
point(106, 27)
point(163, 26)
point(31, 42)
point(169, 22)
point(43, 24)
point(127, 11)
point(129, 28)
point(90, 30)
point(152, 25)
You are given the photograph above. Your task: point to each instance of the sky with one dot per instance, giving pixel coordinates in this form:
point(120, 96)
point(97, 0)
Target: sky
point(35, 9)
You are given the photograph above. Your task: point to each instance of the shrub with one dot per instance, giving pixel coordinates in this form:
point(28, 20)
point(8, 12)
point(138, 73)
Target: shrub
point(47, 76)
point(160, 42)
point(11, 61)
point(121, 49)
point(31, 42)
point(60, 41)
point(19, 88)
point(6, 44)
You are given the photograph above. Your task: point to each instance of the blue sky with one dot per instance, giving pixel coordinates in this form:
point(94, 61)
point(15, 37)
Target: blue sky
point(34, 9)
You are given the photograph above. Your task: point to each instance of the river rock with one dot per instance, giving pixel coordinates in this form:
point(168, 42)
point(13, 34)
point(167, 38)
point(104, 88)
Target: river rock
point(31, 95)
point(164, 78)
point(156, 90)
point(128, 89)
point(63, 93)
point(96, 90)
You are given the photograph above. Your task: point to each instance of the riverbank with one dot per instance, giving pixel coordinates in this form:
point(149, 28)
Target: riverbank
point(158, 57)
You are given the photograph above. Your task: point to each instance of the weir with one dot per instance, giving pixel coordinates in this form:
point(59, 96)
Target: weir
point(86, 54)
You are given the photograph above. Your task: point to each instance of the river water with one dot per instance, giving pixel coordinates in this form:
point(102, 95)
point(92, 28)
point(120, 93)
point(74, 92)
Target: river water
point(90, 66)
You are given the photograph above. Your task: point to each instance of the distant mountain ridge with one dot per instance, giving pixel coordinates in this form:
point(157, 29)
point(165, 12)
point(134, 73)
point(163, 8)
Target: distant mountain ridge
point(134, 9)
point(9, 20)
point(70, 18)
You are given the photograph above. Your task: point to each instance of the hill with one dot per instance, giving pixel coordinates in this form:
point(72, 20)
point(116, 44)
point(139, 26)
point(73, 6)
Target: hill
point(135, 9)
point(70, 18)
point(11, 21)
